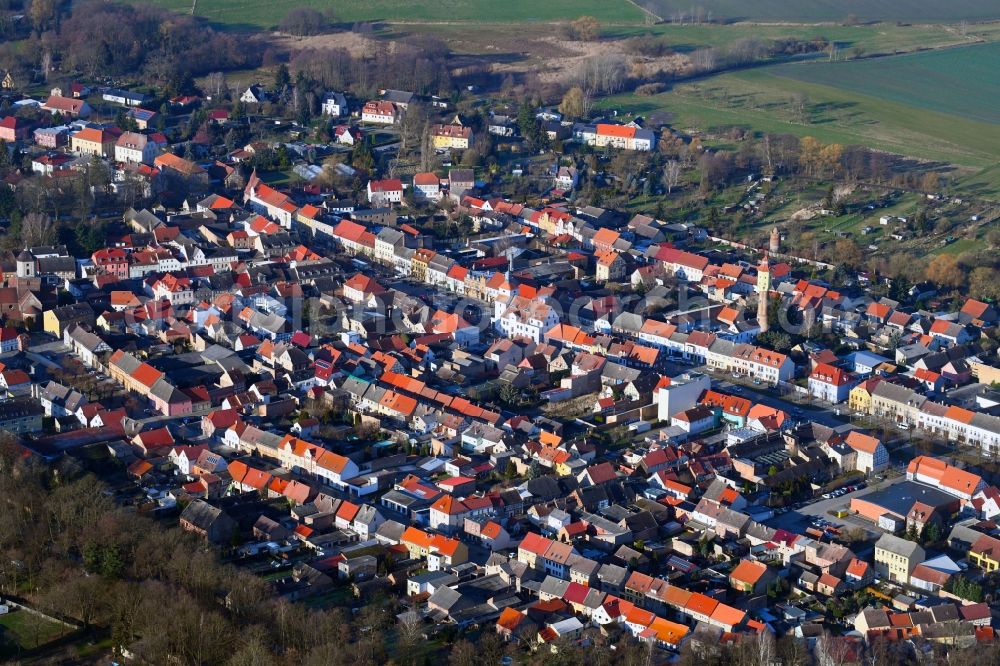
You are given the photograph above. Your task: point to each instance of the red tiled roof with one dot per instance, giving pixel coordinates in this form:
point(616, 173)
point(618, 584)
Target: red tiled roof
point(620, 131)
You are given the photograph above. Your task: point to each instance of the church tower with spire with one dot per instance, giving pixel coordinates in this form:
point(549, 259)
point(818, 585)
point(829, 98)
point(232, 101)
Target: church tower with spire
point(763, 289)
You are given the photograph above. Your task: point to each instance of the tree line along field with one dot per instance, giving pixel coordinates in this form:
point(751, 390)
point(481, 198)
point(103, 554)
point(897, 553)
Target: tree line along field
point(946, 11)
point(959, 81)
point(266, 14)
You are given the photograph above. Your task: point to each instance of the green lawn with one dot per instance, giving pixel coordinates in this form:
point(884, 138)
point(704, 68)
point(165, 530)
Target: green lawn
point(262, 13)
point(836, 10)
point(958, 247)
point(29, 630)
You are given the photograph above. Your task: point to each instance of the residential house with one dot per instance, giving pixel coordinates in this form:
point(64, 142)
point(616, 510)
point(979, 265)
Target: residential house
point(208, 521)
point(379, 112)
point(751, 577)
point(92, 141)
point(334, 104)
point(985, 553)
point(426, 186)
point(13, 129)
point(872, 456)
point(895, 558)
point(67, 106)
point(830, 383)
point(385, 192)
point(186, 170)
point(451, 137)
point(135, 148)
point(627, 137)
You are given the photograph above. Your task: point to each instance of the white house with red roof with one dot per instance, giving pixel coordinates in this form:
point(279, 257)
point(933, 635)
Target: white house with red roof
point(745, 359)
point(952, 480)
point(426, 186)
point(949, 332)
point(347, 136)
point(524, 317)
point(266, 200)
point(933, 381)
point(447, 514)
point(830, 383)
point(626, 137)
point(385, 192)
point(135, 148)
point(665, 481)
point(872, 456)
point(694, 420)
point(359, 288)
point(355, 237)
point(175, 289)
point(379, 112)
point(9, 339)
point(683, 265)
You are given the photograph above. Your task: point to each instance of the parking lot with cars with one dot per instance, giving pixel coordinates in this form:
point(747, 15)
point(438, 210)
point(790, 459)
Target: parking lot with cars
point(808, 514)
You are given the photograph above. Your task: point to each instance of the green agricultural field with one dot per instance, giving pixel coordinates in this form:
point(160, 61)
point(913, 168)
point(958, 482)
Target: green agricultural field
point(959, 81)
point(266, 14)
point(868, 40)
point(949, 11)
point(765, 100)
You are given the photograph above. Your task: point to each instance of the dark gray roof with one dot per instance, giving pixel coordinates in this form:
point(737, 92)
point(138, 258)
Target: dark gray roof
point(899, 546)
point(901, 497)
point(201, 514)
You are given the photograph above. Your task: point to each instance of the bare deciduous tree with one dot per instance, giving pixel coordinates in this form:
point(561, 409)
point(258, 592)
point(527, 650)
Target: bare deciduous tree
point(831, 651)
point(215, 84)
point(763, 649)
point(408, 629)
point(602, 74)
point(671, 175)
point(37, 229)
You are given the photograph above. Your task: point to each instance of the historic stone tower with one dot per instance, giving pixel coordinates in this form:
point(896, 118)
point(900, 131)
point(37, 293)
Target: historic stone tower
point(774, 247)
point(763, 289)
point(25, 264)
